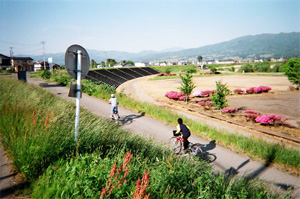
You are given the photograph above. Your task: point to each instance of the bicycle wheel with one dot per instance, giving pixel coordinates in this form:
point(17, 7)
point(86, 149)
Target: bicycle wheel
point(176, 144)
point(196, 151)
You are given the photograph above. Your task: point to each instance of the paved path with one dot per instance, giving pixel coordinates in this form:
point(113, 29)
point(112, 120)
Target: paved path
point(227, 160)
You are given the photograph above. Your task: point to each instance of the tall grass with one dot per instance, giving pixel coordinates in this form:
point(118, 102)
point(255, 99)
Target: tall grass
point(32, 120)
point(37, 131)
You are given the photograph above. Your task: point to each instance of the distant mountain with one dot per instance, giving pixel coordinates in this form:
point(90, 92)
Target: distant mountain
point(173, 49)
point(256, 46)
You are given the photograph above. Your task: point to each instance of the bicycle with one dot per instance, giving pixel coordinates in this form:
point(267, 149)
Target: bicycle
point(115, 115)
point(193, 151)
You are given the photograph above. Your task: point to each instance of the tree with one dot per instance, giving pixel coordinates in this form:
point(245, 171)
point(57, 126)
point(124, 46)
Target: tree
point(187, 85)
point(199, 58)
point(213, 69)
point(292, 71)
point(219, 98)
point(93, 64)
point(130, 62)
point(111, 62)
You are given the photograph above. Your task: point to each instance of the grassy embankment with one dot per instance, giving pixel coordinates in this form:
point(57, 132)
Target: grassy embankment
point(37, 131)
point(277, 154)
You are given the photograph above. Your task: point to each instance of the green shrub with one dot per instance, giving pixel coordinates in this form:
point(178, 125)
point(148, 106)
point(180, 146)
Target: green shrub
point(89, 87)
point(277, 68)
point(46, 74)
point(62, 78)
point(246, 68)
point(191, 70)
point(232, 69)
point(213, 69)
point(168, 70)
point(262, 67)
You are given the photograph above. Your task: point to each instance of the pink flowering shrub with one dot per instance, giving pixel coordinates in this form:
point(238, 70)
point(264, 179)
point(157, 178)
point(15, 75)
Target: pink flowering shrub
point(270, 119)
point(166, 74)
point(228, 110)
point(200, 93)
point(250, 90)
point(206, 103)
point(257, 90)
point(238, 91)
point(175, 95)
point(265, 88)
point(251, 115)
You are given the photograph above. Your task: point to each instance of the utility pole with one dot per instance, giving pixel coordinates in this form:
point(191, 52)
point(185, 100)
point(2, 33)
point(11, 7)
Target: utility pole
point(44, 54)
point(11, 54)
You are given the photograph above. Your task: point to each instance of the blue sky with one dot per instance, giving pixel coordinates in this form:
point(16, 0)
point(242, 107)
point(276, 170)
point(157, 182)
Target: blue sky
point(137, 25)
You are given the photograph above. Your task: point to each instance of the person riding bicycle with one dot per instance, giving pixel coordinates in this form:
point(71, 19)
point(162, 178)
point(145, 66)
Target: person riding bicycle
point(114, 105)
point(185, 131)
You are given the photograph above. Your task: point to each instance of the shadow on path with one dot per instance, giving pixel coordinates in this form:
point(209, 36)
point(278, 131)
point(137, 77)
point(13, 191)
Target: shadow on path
point(128, 119)
point(207, 147)
point(9, 191)
point(271, 156)
point(8, 176)
point(45, 85)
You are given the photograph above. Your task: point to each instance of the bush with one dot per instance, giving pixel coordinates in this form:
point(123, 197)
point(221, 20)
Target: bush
point(46, 74)
point(168, 70)
point(262, 67)
point(213, 69)
point(246, 68)
point(191, 70)
point(277, 68)
point(292, 71)
point(232, 69)
point(88, 87)
point(63, 79)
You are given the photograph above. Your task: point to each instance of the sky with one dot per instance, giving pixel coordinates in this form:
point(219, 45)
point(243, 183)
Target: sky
point(137, 25)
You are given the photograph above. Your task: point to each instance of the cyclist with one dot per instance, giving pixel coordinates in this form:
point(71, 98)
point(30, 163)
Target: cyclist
point(114, 105)
point(185, 131)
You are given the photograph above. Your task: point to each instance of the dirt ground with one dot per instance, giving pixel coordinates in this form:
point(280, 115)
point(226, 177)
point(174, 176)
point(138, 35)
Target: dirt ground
point(278, 101)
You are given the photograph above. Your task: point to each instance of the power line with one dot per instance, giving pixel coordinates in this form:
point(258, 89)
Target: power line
point(19, 43)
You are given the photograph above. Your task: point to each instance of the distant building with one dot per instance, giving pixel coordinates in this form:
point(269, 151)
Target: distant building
point(39, 65)
point(5, 62)
point(119, 65)
point(141, 64)
point(22, 64)
point(163, 64)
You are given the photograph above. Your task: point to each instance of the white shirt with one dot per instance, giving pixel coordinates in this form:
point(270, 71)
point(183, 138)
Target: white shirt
point(113, 101)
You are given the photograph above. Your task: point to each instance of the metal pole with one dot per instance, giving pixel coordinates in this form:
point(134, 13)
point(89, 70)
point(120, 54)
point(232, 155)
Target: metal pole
point(78, 94)
point(44, 54)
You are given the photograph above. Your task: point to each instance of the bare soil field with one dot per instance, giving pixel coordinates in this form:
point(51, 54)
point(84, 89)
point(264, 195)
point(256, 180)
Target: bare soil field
point(279, 100)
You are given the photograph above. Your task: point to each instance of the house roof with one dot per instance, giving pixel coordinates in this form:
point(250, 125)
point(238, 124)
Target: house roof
point(22, 58)
point(3, 56)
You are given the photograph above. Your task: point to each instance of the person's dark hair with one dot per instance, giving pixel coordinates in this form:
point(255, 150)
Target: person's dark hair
point(180, 121)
